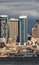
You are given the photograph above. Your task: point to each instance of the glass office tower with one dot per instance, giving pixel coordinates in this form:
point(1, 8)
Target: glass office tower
point(4, 26)
point(22, 30)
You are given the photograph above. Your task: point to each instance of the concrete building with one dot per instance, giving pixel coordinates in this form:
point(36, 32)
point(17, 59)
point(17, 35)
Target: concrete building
point(4, 27)
point(22, 30)
point(13, 29)
point(35, 30)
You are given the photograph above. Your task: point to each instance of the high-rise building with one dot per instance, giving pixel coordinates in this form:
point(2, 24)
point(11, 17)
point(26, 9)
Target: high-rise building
point(22, 30)
point(35, 30)
point(13, 28)
point(4, 27)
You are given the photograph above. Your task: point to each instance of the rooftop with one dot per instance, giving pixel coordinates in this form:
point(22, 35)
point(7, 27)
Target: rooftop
point(13, 19)
point(23, 16)
point(3, 15)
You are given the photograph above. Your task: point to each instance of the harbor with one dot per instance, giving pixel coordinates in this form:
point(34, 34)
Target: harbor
point(19, 32)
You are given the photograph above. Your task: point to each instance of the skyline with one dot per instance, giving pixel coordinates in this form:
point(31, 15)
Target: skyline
point(19, 7)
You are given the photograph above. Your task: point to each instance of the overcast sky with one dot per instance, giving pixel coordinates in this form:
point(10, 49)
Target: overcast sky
point(20, 7)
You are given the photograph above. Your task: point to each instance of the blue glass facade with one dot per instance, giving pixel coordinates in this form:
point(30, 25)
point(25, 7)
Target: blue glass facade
point(22, 30)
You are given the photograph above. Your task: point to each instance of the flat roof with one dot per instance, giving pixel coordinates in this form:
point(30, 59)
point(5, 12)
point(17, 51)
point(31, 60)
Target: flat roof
point(24, 16)
point(3, 15)
point(13, 19)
